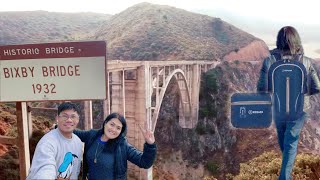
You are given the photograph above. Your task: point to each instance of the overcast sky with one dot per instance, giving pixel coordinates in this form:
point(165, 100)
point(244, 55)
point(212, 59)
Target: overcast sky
point(269, 9)
point(245, 14)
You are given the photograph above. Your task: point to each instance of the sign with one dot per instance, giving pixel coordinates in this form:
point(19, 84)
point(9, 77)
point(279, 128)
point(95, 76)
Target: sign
point(53, 71)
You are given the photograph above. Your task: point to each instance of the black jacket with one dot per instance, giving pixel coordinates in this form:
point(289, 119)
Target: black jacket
point(123, 151)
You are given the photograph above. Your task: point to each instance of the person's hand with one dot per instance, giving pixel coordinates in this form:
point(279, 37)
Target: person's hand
point(148, 135)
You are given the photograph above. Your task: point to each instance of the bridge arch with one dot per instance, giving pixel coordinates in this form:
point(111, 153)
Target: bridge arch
point(138, 95)
point(185, 97)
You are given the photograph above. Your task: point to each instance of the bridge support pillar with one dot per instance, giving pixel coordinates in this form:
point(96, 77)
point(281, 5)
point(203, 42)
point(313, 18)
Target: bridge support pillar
point(195, 89)
point(116, 92)
point(135, 137)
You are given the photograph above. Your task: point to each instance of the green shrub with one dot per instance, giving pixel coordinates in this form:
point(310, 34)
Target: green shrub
point(165, 17)
point(213, 167)
point(200, 129)
point(13, 132)
point(9, 165)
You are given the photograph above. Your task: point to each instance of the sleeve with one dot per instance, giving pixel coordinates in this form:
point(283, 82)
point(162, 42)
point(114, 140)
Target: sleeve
point(143, 159)
point(262, 85)
point(44, 163)
point(313, 81)
point(83, 135)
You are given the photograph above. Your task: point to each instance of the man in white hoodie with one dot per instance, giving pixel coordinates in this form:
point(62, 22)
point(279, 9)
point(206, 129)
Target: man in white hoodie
point(58, 154)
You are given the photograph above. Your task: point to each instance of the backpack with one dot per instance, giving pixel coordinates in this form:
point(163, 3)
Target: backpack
point(251, 110)
point(287, 81)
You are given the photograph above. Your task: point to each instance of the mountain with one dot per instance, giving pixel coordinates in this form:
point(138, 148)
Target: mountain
point(41, 26)
point(158, 32)
point(142, 32)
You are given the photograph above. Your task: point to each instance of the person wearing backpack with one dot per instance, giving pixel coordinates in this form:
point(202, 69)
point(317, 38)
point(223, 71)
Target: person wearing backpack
point(289, 116)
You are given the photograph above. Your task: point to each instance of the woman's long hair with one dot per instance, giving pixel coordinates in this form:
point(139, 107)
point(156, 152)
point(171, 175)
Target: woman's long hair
point(289, 42)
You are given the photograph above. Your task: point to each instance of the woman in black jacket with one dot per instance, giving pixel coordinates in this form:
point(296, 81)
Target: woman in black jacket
point(107, 150)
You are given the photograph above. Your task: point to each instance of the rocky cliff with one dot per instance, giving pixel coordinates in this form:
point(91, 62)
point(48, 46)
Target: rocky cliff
point(255, 51)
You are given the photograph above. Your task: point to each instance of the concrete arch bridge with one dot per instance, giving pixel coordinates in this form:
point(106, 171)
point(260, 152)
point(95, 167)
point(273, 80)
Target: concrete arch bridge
point(136, 90)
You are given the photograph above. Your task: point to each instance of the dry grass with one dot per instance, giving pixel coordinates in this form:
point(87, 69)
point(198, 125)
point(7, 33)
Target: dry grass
point(267, 166)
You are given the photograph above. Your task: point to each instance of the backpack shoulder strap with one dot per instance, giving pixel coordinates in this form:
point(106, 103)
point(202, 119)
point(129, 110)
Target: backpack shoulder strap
point(306, 62)
point(272, 59)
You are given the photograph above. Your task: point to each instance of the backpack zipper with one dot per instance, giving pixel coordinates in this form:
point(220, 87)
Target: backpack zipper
point(251, 103)
point(287, 94)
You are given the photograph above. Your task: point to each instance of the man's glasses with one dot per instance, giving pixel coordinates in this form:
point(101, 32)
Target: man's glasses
point(66, 117)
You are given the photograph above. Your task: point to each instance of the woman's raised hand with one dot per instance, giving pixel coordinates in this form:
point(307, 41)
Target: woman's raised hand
point(148, 135)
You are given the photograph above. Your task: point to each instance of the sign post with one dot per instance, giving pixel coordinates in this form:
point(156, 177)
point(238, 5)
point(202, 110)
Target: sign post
point(23, 139)
point(49, 72)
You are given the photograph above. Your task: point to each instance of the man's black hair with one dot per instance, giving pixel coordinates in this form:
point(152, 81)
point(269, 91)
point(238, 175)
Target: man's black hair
point(68, 106)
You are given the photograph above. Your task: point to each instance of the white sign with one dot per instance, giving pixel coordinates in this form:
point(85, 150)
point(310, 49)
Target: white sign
point(53, 71)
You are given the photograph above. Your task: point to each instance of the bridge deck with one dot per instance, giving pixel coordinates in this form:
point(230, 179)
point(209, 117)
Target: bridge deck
point(116, 65)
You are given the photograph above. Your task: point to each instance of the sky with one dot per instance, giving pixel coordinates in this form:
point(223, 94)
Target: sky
point(260, 18)
point(270, 9)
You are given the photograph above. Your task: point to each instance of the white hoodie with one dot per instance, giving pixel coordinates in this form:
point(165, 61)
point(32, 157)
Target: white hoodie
point(56, 156)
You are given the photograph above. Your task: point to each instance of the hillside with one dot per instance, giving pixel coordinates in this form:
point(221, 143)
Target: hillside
point(42, 26)
point(157, 32)
point(267, 166)
point(9, 162)
point(142, 32)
